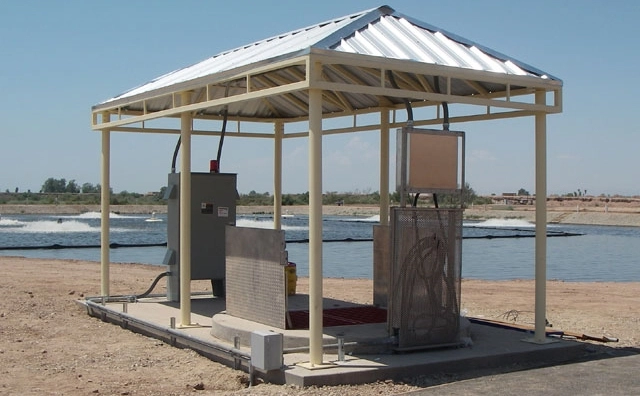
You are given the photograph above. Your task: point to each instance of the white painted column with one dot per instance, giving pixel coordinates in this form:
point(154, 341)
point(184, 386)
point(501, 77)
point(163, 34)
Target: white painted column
point(315, 226)
point(277, 175)
point(384, 167)
point(185, 213)
point(541, 221)
point(105, 197)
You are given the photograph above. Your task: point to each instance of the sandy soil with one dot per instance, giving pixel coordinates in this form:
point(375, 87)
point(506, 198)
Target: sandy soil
point(49, 345)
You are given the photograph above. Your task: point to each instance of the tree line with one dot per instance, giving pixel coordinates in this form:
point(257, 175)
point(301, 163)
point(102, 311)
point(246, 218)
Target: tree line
point(62, 191)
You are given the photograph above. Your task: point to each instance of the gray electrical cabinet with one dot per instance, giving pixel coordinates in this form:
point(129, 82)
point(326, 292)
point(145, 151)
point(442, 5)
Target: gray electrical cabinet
point(213, 207)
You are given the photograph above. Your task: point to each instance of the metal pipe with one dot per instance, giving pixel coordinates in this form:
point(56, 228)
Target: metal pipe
point(341, 349)
point(104, 207)
point(185, 213)
point(236, 345)
point(178, 334)
point(324, 346)
point(541, 221)
point(384, 167)
point(403, 168)
point(315, 226)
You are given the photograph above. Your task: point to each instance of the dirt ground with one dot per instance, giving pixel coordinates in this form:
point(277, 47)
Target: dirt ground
point(49, 345)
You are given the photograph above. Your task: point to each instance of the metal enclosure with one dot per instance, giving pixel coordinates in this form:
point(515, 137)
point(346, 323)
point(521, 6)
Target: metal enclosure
point(266, 350)
point(213, 207)
point(429, 161)
point(426, 243)
point(424, 299)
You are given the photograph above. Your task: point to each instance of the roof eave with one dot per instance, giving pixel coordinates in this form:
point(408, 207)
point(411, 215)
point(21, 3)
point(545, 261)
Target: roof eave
point(290, 58)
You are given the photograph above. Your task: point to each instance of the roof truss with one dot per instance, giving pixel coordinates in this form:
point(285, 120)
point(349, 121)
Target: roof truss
point(352, 85)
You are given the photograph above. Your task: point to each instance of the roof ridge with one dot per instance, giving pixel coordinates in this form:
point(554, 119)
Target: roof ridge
point(365, 16)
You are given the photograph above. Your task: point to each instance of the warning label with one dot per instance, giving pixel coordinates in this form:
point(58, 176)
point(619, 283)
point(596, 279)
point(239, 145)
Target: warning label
point(206, 208)
point(223, 211)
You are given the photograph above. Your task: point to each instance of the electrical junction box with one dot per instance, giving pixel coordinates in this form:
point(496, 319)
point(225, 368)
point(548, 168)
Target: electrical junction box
point(213, 207)
point(266, 350)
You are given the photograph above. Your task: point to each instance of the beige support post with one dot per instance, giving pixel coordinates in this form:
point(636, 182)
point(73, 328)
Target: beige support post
point(185, 213)
point(384, 167)
point(277, 175)
point(105, 197)
point(315, 227)
point(539, 336)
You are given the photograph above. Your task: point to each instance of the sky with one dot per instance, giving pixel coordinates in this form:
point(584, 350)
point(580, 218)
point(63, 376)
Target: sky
point(59, 58)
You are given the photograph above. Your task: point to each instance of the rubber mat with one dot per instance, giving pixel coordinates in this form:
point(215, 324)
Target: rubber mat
point(339, 317)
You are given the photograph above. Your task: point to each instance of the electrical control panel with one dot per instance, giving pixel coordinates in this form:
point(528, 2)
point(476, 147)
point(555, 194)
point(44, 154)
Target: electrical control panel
point(213, 207)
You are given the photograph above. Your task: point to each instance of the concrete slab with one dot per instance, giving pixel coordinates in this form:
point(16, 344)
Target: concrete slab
point(214, 332)
point(614, 374)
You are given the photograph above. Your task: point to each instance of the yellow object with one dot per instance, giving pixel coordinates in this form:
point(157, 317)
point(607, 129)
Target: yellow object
point(292, 278)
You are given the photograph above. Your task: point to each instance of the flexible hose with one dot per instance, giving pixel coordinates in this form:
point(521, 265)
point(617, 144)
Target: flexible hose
point(445, 105)
point(175, 154)
point(225, 113)
point(407, 104)
point(153, 285)
point(224, 127)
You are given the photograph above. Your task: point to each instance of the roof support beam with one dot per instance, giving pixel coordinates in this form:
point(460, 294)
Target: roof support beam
point(384, 167)
point(475, 85)
point(315, 227)
point(337, 99)
point(407, 80)
point(289, 97)
point(362, 61)
point(349, 76)
point(434, 97)
point(193, 133)
point(278, 130)
point(185, 214)
point(350, 129)
point(203, 105)
point(271, 107)
point(105, 198)
point(541, 223)
point(425, 83)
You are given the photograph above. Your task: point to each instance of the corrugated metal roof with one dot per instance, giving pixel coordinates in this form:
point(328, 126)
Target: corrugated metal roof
point(380, 32)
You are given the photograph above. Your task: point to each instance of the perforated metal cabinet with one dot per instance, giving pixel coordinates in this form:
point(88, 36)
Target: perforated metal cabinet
point(213, 206)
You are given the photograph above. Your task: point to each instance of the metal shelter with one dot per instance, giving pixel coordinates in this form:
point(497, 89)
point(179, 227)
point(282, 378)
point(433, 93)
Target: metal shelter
point(373, 61)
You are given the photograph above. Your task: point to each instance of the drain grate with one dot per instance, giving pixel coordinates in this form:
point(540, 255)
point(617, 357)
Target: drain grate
point(339, 317)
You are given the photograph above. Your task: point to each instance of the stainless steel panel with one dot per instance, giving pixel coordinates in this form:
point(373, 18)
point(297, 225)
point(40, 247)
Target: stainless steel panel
point(255, 275)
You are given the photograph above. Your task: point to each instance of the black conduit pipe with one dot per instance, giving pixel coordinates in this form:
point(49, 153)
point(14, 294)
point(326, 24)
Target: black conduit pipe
point(175, 155)
point(407, 104)
point(445, 105)
point(225, 113)
point(153, 285)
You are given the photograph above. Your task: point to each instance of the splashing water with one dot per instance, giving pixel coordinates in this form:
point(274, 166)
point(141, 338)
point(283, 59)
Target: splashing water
point(498, 223)
point(266, 224)
point(50, 226)
point(98, 215)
